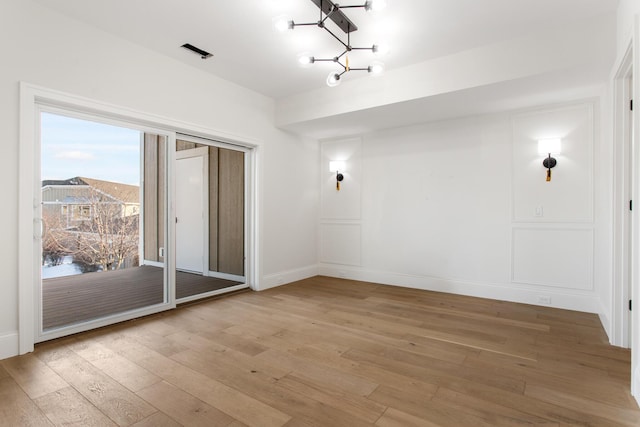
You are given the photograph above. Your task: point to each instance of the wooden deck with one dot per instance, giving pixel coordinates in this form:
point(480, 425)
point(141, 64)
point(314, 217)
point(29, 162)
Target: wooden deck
point(75, 299)
point(329, 352)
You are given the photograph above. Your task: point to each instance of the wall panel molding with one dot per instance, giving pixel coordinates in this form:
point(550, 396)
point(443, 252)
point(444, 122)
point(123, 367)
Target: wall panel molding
point(569, 196)
point(340, 225)
point(553, 257)
point(341, 243)
point(344, 204)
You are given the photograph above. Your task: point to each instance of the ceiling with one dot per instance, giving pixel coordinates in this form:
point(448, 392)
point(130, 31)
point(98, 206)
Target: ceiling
point(422, 35)
point(248, 51)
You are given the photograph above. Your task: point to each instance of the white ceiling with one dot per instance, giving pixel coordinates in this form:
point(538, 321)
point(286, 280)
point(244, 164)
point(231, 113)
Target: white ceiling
point(248, 51)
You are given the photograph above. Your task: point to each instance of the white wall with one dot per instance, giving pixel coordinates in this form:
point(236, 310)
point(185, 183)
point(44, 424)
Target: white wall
point(604, 194)
point(47, 49)
point(291, 212)
point(451, 206)
point(627, 9)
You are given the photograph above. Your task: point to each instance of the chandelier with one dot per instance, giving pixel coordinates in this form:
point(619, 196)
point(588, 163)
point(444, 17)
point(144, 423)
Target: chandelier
point(333, 11)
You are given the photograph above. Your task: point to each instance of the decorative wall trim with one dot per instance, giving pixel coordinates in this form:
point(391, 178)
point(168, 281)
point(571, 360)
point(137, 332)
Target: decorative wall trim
point(346, 203)
point(561, 298)
point(8, 345)
point(557, 229)
point(341, 243)
point(284, 277)
point(517, 140)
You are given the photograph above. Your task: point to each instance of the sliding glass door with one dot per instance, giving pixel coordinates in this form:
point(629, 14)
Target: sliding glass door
point(211, 217)
point(103, 219)
point(122, 217)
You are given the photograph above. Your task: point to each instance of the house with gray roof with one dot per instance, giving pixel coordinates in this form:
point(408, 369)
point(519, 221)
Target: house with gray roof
point(72, 201)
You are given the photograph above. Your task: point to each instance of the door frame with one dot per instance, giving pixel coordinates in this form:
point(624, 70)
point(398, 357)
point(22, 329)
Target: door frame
point(249, 205)
point(626, 234)
point(625, 185)
point(41, 335)
point(635, 282)
point(32, 99)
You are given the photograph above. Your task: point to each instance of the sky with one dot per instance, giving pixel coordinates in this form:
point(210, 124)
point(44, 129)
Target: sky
point(73, 147)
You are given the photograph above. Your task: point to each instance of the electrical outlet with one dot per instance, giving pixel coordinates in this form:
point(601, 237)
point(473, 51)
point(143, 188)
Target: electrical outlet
point(544, 299)
point(539, 212)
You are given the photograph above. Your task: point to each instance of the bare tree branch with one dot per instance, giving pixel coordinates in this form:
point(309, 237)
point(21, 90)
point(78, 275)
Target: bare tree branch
point(102, 237)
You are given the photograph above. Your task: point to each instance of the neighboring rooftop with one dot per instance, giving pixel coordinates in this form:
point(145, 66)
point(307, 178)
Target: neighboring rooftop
point(123, 192)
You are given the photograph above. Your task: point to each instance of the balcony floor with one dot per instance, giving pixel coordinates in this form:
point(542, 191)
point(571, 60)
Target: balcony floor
point(74, 299)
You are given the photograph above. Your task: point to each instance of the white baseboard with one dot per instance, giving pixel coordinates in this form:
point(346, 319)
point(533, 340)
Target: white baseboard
point(284, 277)
point(560, 298)
point(9, 345)
point(635, 385)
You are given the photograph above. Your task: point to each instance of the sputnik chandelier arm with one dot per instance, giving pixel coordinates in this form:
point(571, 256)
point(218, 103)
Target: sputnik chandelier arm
point(333, 11)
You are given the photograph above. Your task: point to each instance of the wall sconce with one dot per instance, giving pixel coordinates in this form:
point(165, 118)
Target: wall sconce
point(548, 147)
point(337, 166)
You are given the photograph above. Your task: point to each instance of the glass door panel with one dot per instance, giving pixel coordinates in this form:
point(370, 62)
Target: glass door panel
point(103, 208)
point(210, 218)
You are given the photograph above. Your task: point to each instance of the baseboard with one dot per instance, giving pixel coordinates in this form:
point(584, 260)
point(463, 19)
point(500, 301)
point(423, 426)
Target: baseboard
point(635, 385)
point(9, 345)
point(284, 277)
point(565, 299)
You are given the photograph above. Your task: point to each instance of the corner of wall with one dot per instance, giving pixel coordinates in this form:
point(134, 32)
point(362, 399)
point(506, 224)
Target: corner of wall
point(289, 276)
point(605, 318)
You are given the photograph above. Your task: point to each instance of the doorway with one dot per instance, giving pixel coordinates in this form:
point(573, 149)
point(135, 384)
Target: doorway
point(210, 196)
point(91, 209)
point(156, 220)
point(191, 198)
point(625, 206)
point(624, 329)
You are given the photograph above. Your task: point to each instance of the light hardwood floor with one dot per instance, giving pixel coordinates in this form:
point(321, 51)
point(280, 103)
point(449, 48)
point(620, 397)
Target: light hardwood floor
point(329, 352)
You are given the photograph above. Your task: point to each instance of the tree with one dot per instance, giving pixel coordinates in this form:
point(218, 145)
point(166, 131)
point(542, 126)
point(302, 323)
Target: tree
point(54, 248)
point(97, 232)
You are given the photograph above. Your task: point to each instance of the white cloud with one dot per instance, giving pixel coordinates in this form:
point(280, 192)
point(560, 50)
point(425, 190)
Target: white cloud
point(74, 155)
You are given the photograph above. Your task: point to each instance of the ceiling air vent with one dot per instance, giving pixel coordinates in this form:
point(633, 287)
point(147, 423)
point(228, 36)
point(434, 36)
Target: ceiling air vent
point(203, 53)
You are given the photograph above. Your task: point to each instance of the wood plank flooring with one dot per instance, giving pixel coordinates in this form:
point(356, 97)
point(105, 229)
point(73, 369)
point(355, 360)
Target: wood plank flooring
point(74, 299)
point(329, 352)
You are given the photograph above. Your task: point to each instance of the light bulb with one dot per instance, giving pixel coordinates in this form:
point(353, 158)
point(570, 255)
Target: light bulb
point(282, 23)
point(375, 5)
point(333, 79)
point(336, 166)
point(305, 60)
point(376, 68)
point(550, 146)
point(380, 49)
